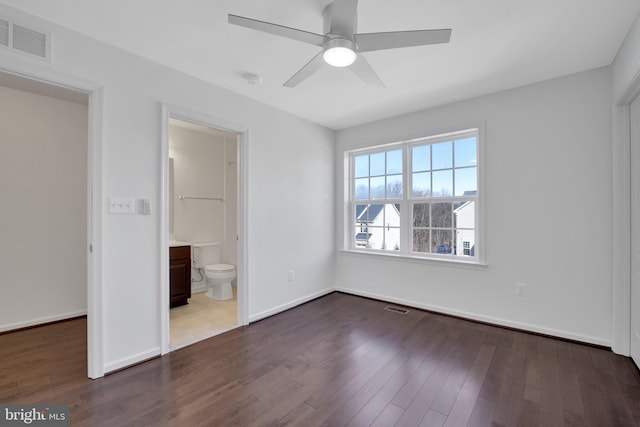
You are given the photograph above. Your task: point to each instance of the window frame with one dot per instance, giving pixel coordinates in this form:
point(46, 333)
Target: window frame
point(408, 199)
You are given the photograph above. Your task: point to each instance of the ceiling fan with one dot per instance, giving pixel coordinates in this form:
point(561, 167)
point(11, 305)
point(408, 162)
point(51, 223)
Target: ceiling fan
point(341, 45)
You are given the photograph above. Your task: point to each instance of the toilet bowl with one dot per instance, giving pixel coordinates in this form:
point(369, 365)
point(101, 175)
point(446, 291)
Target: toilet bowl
point(219, 277)
point(208, 256)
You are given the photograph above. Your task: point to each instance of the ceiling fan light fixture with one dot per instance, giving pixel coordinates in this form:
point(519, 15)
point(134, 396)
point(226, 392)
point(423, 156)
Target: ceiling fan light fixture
point(339, 52)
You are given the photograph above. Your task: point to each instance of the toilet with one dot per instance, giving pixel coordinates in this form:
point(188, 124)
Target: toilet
point(219, 276)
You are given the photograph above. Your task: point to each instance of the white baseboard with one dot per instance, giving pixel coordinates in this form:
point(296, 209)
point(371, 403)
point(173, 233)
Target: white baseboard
point(287, 306)
point(196, 289)
point(131, 360)
point(42, 320)
point(486, 319)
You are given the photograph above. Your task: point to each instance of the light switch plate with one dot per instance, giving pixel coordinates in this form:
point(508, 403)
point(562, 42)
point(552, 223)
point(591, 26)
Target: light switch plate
point(145, 207)
point(122, 205)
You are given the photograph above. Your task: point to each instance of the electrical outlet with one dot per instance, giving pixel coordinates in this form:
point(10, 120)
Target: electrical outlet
point(291, 275)
point(520, 289)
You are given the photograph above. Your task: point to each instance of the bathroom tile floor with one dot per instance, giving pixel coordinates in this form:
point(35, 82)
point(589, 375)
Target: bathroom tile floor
point(200, 319)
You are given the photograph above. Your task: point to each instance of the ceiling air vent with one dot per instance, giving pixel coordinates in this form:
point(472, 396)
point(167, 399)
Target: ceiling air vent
point(22, 39)
point(4, 32)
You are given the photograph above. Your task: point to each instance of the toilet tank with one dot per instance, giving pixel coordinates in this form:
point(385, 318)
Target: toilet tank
point(206, 254)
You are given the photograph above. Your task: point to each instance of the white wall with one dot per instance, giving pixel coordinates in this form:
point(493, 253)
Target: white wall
point(43, 224)
point(290, 185)
point(548, 159)
point(198, 170)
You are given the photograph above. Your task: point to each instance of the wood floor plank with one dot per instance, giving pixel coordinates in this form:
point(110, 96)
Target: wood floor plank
point(573, 409)
point(433, 419)
point(389, 416)
point(550, 403)
point(512, 383)
point(463, 406)
point(338, 360)
point(482, 413)
point(420, 405)
point(439, 347)
point(450, 391)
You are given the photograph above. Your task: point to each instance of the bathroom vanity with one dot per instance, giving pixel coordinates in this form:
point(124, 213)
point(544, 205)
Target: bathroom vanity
point(179, 274)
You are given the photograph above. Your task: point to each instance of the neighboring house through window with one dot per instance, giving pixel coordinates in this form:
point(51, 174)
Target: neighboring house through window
point(417, 198)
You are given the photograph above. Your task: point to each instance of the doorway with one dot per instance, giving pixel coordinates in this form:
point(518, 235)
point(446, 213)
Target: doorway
point(51, 217)
point(203, 212)
point(202, 218)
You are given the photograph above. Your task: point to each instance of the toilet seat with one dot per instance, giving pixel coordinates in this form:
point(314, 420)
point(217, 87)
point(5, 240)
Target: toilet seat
point(219, 268)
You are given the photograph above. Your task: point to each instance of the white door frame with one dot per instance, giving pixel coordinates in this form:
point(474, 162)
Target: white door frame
point(31, 71)
point(621, 198)
point(167, 112)
point(634, 298)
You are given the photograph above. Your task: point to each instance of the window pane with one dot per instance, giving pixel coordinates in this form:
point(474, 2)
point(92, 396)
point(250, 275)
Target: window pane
point(420, 215)
point(465, 242)
point(466, 181)
point(362, 188)
point(392, 239)
point(441, 215)
point(377, 164)
point(383, 227)
point(394, 161)
point(465, 214)
point(394, 186)
point(377, 187)
point(361, 228)
point(442, 183)
point(441, 242)
point(421, 241)
point(375, 214)
point(361, 166)
point(465, 152)
point(361, 213)
point(442, 155)
point(421, 158)
point(421, 184)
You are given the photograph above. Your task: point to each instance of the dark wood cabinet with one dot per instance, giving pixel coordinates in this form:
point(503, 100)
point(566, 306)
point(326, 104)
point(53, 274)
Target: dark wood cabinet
point(180, 275)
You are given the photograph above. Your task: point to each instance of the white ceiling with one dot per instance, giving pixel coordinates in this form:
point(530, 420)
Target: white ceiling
point(495, 45)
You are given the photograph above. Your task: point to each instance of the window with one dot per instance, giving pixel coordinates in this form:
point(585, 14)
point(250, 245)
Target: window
point(417, 198)
point(466, 247)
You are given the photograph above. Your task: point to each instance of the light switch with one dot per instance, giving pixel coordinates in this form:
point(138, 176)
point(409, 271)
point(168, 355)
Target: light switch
point(122, 205)
point(145, 206)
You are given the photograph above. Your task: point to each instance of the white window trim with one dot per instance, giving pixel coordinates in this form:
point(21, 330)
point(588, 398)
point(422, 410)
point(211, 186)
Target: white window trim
point(405, 254)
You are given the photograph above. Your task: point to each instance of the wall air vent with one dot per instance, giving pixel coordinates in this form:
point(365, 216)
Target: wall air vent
point(23, 39)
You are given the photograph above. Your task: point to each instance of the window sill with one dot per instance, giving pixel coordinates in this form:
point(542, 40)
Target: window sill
point(472, 265)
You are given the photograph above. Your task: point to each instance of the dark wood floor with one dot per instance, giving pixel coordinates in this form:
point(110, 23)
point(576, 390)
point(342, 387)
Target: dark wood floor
point(339, 360)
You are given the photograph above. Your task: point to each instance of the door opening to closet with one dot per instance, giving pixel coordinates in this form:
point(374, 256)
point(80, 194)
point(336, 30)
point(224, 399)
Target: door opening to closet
point(45, 228)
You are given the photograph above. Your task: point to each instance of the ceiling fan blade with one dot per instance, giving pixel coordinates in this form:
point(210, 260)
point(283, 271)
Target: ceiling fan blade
point(343, 17)
point(311, 67)
point(362, 69)
point(278, 30)
point(378, 41)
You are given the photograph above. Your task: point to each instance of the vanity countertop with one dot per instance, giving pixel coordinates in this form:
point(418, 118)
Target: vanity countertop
point(176, 243)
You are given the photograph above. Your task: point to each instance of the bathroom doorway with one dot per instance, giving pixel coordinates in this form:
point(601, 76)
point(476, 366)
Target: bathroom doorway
point(203, 211)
